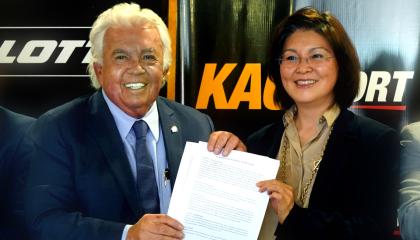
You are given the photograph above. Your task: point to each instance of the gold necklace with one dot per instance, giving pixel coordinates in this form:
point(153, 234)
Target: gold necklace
point(282, 174)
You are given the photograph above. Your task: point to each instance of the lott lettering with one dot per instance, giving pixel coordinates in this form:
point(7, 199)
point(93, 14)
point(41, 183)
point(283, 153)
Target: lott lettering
point(46, 49)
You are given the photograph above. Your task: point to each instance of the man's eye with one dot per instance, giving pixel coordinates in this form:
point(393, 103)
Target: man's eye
point(121, 57)
point(149, 58)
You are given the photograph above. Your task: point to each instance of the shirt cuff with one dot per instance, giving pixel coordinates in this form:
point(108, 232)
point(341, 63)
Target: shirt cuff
point(125, 231)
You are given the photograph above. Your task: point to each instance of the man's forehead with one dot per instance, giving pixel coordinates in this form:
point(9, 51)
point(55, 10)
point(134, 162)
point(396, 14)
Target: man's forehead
point(130, 26)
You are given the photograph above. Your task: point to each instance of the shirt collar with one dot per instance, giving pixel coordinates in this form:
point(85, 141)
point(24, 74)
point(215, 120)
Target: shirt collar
point(125, 122)
point(328, 116)
point(331, 114)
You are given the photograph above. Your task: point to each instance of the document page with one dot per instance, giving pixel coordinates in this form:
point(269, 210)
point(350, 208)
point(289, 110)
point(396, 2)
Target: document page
point(216, 198)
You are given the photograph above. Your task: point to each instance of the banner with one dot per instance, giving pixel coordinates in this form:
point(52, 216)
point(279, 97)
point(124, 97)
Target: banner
point(220, 48)
point(224, 49)
point(224, 64)
point(45, 48)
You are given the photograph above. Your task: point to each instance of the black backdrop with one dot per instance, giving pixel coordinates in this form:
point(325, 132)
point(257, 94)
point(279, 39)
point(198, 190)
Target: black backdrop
point(219, 32)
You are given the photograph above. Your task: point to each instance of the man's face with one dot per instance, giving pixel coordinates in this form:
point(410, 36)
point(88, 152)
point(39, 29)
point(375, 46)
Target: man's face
point(131, 73)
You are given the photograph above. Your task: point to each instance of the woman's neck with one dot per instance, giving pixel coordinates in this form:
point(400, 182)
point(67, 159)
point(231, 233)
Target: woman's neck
point(306, 120)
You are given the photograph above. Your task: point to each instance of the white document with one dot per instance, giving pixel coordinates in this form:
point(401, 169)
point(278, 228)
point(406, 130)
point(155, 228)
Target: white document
point(216, 198)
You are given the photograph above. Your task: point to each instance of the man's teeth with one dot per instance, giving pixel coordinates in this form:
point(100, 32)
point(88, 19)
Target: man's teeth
point(305, 82)
point(134, 86)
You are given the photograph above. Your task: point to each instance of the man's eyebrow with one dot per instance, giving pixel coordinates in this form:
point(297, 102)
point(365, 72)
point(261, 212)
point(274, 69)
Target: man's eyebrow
point(148, 50)
point(118, 50)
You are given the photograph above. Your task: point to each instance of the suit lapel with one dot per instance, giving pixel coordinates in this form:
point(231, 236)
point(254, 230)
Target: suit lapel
point(171, 129)
point(105, 131)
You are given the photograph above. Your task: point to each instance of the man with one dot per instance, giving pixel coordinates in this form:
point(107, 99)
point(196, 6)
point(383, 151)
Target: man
point(409, 212)
point(14, 150)
point(87, 181)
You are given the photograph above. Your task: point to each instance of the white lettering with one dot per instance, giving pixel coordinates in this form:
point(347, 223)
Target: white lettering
point(376, 86)
point(89, 54)
point(362, 86)
point(68, 48)
point(47, 48)
point(4, 51)
point(402, 77)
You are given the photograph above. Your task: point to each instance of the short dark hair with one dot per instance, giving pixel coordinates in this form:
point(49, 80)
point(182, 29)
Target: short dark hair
point(328, 26)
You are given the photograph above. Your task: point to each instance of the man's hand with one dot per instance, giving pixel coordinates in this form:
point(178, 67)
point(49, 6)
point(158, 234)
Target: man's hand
point(224, 141)
point(156, 226)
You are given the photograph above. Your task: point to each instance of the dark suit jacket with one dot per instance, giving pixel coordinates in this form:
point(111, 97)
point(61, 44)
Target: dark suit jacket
point(80, 183)
point(14, 150)
point(355, 191)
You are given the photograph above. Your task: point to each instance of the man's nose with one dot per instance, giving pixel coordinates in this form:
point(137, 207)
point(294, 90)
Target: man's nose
point(138, 68)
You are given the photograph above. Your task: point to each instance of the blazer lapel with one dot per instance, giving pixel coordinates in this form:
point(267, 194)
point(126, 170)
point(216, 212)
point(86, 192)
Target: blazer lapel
point(273, 145)
point(171, 129)
point(105, 131)
point(335, 161)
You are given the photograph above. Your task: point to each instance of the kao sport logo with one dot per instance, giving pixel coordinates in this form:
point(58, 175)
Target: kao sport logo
point(381, 90)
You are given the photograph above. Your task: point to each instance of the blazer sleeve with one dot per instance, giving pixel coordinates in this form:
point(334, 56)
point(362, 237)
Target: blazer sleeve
point(409, 211)
point(52, 210)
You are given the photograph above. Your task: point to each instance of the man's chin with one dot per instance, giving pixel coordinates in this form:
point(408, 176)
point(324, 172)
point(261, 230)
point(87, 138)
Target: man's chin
point(137, 109)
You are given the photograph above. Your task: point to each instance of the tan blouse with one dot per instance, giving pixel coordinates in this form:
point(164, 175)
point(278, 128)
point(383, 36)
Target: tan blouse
point(300, 160)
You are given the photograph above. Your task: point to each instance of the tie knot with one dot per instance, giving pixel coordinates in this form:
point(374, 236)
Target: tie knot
point(140, 129)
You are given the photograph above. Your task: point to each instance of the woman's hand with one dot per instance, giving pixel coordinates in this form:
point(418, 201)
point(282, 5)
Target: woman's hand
point(281, 197)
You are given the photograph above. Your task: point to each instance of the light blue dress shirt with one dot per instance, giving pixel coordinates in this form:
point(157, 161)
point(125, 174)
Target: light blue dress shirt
point(155, 145)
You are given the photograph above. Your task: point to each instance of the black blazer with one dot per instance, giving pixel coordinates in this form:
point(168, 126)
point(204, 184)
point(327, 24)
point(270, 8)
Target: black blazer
point(80, 184)
point(354, 195)
point(14, 151)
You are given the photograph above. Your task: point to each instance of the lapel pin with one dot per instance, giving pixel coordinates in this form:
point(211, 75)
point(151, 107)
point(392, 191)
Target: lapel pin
point(174, 129)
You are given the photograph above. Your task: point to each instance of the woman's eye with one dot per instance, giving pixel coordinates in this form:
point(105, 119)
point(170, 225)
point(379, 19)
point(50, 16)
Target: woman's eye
point(291, 58)
point(317, 56)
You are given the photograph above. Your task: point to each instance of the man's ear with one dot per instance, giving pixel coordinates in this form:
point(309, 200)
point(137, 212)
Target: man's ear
point(98, 72)
point(165, 78)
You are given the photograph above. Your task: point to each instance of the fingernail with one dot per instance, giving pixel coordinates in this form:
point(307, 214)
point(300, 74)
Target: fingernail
point(225, 153)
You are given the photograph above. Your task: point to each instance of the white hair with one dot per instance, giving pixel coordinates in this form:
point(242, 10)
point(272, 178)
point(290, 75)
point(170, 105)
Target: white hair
point(125, 14)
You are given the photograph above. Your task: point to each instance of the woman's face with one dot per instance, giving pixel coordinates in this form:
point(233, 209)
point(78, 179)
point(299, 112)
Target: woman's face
point(308, 69)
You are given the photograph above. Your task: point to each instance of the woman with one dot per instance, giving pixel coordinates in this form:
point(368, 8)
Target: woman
point(337, 178)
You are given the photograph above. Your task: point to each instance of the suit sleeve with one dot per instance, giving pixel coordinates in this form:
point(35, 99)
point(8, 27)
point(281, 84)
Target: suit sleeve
point(210, 122)
point(17, 157)
point(409, 212)
point(52, 208)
